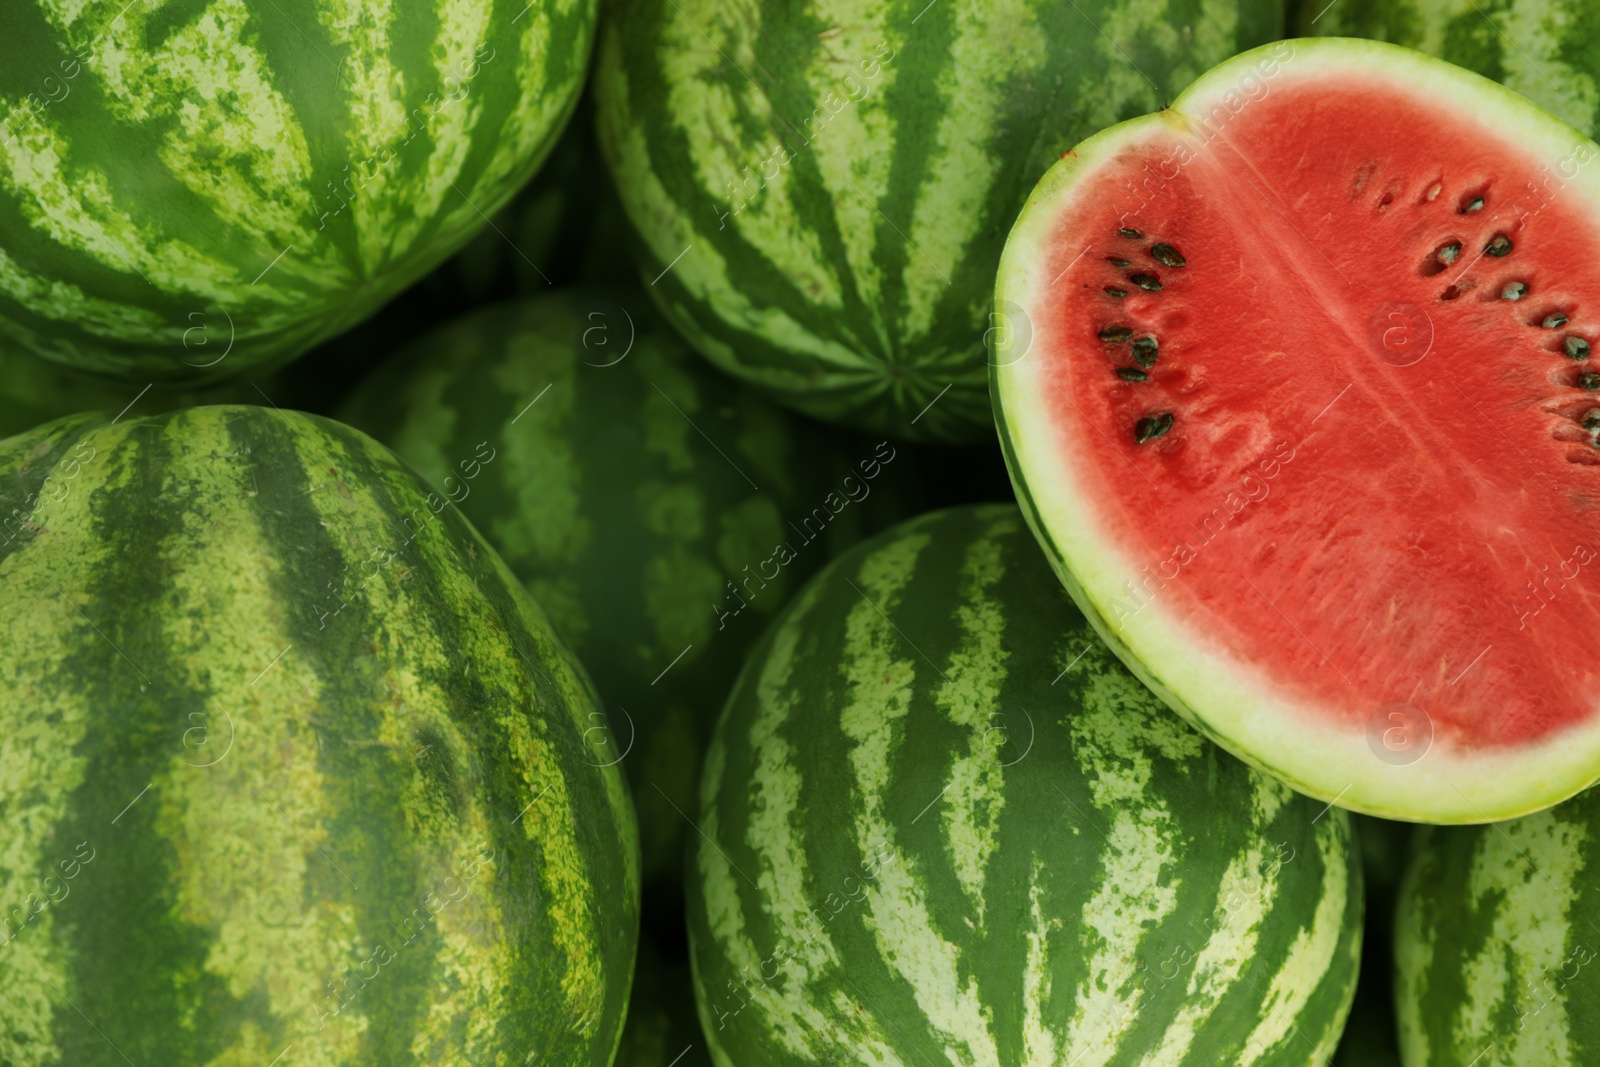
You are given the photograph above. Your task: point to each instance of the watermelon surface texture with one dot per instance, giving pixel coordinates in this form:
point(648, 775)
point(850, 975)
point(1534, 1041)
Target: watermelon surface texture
point(660, 512)
point(1247, 339)
point(823, 190)
point(942, 823)
point(1547, 50)
point(1497, 943)
point(291, 762)
point(190, 190)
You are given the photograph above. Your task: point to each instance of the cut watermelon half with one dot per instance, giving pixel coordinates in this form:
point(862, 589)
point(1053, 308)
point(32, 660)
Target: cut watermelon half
point(1298, 382)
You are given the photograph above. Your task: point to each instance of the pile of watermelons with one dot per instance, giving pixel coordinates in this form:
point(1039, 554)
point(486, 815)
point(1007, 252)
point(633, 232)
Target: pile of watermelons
point(674, 532)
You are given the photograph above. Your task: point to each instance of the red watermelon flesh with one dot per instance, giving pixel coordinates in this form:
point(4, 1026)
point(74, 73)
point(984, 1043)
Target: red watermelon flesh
point(1296, 381)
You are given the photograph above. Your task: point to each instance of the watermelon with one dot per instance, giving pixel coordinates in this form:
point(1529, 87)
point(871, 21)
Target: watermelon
point(660, 513)
point(823, 190)
point(188, 191)
point(1497, 943)
point(941, 823)
point(292, 766)
point(1243, 335)
point(1544, 49)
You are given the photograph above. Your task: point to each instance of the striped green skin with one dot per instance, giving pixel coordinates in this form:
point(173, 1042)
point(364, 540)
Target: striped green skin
point(824, 188)
point(942, 824)
point(238, 820)
point(1547, 50)
point(1497, 942)
point(187, 190)
point(641, 500)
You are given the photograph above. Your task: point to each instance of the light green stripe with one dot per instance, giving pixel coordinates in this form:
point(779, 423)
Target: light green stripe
point(881, 677)
point(773, 833)
point(1311, 955)
point(529, 126)
point(1040, 1043)
point(1114, 737)
point(42, 725)
point(62, 301)
point(373, 90)
point(1527, 871)
point(789, 241)
point(843, 119)
point(995, 42)
point(432, 190)
point(243, 802)
point(969, 695)
point(1247, 890)
point(785, 1008)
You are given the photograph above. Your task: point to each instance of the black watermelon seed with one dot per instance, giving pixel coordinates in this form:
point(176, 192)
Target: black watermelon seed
point(1447, 254)
point(1144, 351)
point(1116, 334)
point(1115, 262)
point(1132, 374)
point(1118, 293)
point(1554, 321)
point(1475, 204)
point(1576, 347)
point(1591, 419)
point(1148, 282)
point(1126, 232)
point(1152, 426)
point(1514, 291)
point(1167, 256)
point(1499, 245)
point(1589, 380)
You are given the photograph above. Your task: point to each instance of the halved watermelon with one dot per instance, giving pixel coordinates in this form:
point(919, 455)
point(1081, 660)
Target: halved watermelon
point(1295, 379)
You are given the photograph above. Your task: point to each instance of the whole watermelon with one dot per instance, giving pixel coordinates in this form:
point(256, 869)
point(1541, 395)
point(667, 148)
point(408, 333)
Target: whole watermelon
point(291, 766)
point(824, 189)
point(1497, 942)
point(1547, 50)
point(940, 823)
point(187, 190)
point(658, 511)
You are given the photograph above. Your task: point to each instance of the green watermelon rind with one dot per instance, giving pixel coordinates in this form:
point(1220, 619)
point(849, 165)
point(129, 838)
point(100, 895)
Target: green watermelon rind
point(158, 229)
point(1497, 943)
point(875, 687)
point(285, 694)
point(1234, 706)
